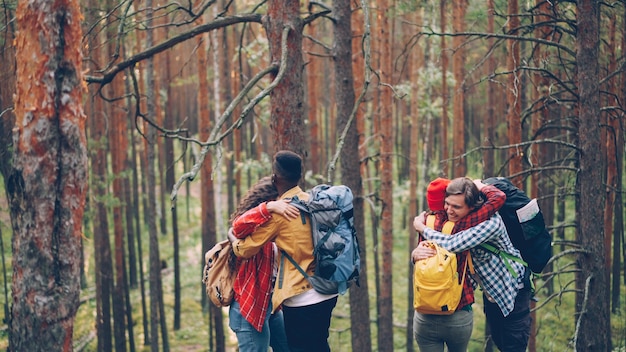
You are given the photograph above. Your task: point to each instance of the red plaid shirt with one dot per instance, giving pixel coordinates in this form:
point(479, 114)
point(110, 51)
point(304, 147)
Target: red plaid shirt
point(253, 284)
point(495, 201)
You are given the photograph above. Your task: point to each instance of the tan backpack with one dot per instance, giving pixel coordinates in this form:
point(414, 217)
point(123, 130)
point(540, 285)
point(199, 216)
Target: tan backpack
point(219, 273)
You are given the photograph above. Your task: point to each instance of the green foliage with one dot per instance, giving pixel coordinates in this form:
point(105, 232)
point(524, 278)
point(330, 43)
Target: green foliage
point(253, 166)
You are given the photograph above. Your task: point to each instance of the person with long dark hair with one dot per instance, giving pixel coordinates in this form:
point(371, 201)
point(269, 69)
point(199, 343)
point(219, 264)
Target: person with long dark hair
point(250, 314)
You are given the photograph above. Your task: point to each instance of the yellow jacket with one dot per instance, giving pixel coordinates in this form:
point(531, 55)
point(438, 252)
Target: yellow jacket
point(292, 236)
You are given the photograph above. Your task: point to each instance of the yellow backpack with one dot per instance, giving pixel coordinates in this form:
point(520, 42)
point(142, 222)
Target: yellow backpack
point(437, 287)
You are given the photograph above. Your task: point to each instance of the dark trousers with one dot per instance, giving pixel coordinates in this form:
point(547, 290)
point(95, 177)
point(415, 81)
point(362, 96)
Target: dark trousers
point(307, 326)
point(511, 333)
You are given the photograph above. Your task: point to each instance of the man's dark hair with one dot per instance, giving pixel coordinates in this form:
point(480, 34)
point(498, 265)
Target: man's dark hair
point(288, 165)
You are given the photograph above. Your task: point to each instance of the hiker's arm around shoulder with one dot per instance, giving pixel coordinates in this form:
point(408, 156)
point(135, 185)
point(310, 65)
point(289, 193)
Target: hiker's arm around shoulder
point(282, 207)
point(495, 197)
point(470, 238)
point(419, 222)
point(422, 251)
point(247, 222)
point(252, 244)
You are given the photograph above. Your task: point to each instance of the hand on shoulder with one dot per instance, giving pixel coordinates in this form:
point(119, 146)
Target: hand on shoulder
point(479, 184)
point(419, 222)
point(283, 208)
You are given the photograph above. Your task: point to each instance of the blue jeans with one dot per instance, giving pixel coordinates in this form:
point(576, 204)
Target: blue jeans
point(250, 340)
point(278, 337)
point(432, 332)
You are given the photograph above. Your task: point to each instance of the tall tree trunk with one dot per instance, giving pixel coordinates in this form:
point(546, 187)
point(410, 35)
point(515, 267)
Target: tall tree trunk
point(48, 186)
point(141, 183)
point(385, 324)
point(490, 120)
point(539, 153)
point(132, 208)
point(619, 253)
point(222, 56)
point(7, 88)
point(131, 193)
point(514, 94)
point(417, 63)
point(287, 99)
point(313, 68)
point(459, 8)
point(218, 105)
point(445, 93)
point(359, 318)
point(102, 246)
point(156, 295)
point(593, 332)
point(350, 170)
point(160, 79)
point(207, 196)
point(610, 135)
point(170, 178)
point(116, 128)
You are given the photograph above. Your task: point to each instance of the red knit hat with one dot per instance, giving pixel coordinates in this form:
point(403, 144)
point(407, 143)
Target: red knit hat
point(436, 193)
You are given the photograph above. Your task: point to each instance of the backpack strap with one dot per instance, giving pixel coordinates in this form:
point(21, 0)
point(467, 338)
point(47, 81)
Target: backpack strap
point(470, 263)
point(430, 221)
point(284, 254)
point(447, 228)
point(505, 256)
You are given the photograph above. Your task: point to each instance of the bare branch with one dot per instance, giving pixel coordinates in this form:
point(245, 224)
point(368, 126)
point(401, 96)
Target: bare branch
point(108, 75)
point(504, 36)
point(516, 145)
point(315, 16)
point(583, 309)
point(214, 138)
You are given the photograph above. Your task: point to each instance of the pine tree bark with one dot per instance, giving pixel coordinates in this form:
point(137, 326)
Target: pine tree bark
point(7, 88)
point(313, 68)
point(593, 332)
point(350, 164)
point(385, 300)
point(102, 246)
point(459, 9)
point(514, 94)
point(360, 298)
point(47, 187)
point(287, 99)
point(490, 121)
point(157, 320)
point(415, 205)
point(116, 129)
point(618, 128)
point(207, 197)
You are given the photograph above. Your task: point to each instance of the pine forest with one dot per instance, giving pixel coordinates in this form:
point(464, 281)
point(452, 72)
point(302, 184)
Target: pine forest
point(130, 130)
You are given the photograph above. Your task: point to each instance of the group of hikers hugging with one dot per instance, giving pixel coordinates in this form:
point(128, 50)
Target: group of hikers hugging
point(278, 303)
